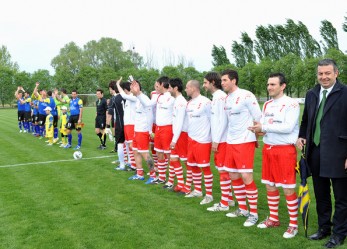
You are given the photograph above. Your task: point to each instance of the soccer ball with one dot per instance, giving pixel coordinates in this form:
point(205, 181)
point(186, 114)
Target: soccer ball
point(77, 155)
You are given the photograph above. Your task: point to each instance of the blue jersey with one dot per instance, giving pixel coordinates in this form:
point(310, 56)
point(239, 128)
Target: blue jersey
point(35, 106)
point(21, 107)
point(75, 105)
point(52, 104)
point(27, 104)
point(42, 105)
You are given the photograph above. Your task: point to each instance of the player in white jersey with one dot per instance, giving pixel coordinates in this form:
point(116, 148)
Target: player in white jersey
point(242, 110)
point(179, 143)
point(129, 118)
point(280, 124)
point(154, 96)
point(163, 131)
point(219, 122)
point(199, 140)
point(143, 129)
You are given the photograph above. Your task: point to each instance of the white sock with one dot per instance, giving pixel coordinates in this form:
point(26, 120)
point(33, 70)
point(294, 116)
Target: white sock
point(120, 153)
point(127, 148)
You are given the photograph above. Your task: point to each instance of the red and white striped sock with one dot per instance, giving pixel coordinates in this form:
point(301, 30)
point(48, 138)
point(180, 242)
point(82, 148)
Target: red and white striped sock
point(189, 177)
point(292, 205)
point(125, 150)
point(132, 158)
point(252, 197)
point(139, 172)
point(240, 193)
point(225, 185)
point(178, 172)
point(273, 200)
point(155, 159)
point(196, 172)
point(171, 174)
point(208, 177)
point(162, 169)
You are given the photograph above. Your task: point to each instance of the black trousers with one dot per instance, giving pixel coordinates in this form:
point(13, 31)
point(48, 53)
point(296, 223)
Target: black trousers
point(322, 189)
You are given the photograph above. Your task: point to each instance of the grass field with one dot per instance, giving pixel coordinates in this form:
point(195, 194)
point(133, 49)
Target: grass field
point(49, 200)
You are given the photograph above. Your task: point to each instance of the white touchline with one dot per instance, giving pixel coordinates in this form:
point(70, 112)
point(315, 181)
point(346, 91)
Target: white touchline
point(57, 161)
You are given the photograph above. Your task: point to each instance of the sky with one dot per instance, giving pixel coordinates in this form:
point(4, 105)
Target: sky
point(165, 30)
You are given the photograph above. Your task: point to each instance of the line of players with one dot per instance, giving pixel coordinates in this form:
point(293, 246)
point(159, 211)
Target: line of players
point(39, 114)
point(190, 131)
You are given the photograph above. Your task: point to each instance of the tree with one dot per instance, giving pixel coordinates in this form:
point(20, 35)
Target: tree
point(344, 25)
point(7, 85)
point(329, 35)
point(43, 76)
point(5, 59)
point(243, 53)
point(219, 56)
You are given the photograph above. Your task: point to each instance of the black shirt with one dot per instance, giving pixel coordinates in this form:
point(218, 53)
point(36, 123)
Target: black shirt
point(101, 107)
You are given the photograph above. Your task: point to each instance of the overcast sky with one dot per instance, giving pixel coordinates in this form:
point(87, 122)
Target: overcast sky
point(34, 31)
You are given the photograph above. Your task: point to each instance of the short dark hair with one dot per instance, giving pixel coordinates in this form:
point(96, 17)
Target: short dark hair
point(100, 90)
point(74, 91)
point(328, 62)
point(49, 93)
point(164, 80)
point(113, 85)
point(125, 85)
point(176, 82)
point(215, 79)
point(232, 74)
point(63, 90)
point(280, 76)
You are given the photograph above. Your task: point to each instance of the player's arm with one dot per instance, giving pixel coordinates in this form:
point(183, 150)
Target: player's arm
point(80, 104)
point(222, 121)
point(177, 129)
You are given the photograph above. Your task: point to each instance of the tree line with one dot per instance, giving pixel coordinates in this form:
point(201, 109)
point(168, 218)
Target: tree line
point(288, 48)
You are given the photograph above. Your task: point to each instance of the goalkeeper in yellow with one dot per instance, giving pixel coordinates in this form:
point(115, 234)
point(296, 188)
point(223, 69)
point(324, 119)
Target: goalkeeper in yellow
point(49, 125)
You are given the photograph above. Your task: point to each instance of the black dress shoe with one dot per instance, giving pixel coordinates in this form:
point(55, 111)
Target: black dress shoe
point(319, 235)
point(334, 241)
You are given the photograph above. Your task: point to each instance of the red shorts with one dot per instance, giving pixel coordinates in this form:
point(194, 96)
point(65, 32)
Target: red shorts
point(279, 166)
point(141, 142)
point(181, 148)
point(153, 131)
point(129, 133)
point(198, 154)
point(163, 138)
point(219, 156)
point(240, 157)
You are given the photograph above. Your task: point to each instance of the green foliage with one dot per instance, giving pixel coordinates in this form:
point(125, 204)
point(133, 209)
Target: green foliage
point(7, 85)
point(329, 35)
point(219, 56)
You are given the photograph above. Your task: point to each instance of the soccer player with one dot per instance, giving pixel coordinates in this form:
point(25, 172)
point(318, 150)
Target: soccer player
point(280, 124)
point(116, 107)
point(242, 110)
point(199, 140)
point(27, 112)
point(179, 142)
point(49, 125)
point(219, 123)
point(43, 103)
point(129, 118)
point(21, 108)
point(64, 117)
point(100, 119)
point(54, 112)
point(75, 120)
point(143, 129)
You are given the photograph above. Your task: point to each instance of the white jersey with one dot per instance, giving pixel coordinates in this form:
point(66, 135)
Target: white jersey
point(242, 109)
point(199, 116)
point(179, 119)
point(154, 97)
point(219, 119)
point(165, 104)
point(129, 108)
point(144, 115)
point(280, 121)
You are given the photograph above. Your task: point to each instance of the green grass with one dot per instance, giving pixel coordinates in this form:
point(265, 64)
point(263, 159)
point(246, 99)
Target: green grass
point(86, 204)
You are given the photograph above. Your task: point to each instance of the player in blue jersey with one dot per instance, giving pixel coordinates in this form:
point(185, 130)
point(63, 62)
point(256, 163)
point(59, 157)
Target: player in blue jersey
point(21, 108)
point(27, 112)
point(54, 113)
point(43, 103)
point(75, 120)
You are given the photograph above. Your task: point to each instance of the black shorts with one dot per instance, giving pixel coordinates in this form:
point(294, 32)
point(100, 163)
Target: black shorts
point(27, 116)
point(21, 115)
point(72, 122)
point(119, 135)
point(42, 119)
point(100, 122)
point(36, 118)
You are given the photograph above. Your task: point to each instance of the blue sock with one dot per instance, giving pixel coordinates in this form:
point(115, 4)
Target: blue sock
point(69, 138)
point(41, 131)
point(31, 127)
point(20, 125)
point(79, 139)
point(55, 132)
point(26, 126)
point(37, 129)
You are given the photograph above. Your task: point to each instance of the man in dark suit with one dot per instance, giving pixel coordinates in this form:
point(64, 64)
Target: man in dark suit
point(324, 132)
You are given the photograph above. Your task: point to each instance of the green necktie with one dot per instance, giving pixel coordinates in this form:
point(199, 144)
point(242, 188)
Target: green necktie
point(316, 136)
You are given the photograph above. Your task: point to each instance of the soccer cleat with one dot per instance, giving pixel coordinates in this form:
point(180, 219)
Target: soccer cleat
point(168, 186)
point(67, 146)
point(25, 131)
point(237, 213)
point(101, 147)
point(231, 203)
point(55, 140)
point(77, 147)
point(136, 177)
point(217, 207)
point(150, 180)
point(20, 131)
point(251, 220)
point(62, 145)
point(184, 191)
point(267, 223)
point(207, 199)
point(194, 193)
point(49, 144)
point(120, 168)
point(158, 181)
point(115, 162)
point(291, 232)
point(177, 188)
